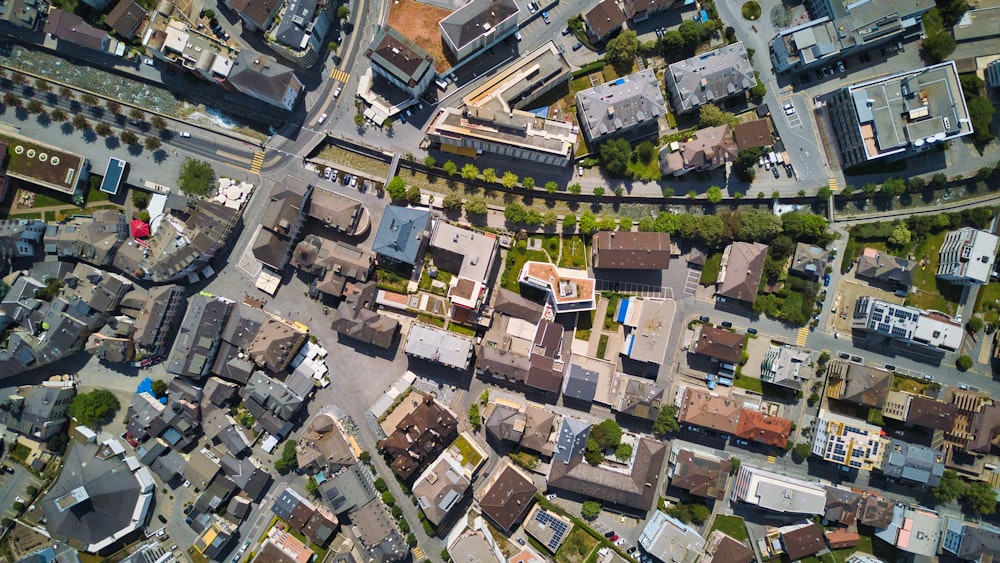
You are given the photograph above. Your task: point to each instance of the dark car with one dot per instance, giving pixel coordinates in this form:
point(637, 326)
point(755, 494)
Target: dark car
point(826, 280)
point(751, 330)
point(577, 45)
point(704, 318)
point(774, 170)
point(890, 367)
point(161, 518)
point(609, 534)
point(566, 31)
point(727, 324)
point(788, 170)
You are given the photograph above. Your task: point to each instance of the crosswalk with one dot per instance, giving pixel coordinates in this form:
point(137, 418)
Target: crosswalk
point(339, 75)
point(802, 336)
point(257, 163)
point(833, 185)
point(418, 553)
point(772, 459)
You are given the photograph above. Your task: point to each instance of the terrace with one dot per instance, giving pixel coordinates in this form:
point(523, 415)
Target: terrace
point(43, 164)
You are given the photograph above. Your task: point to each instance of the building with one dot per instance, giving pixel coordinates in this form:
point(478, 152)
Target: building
point(914, 530)
point(967, 256)
point(493, 121)
point(469, 256)
point(439, 346)
point(478, 25)
point(402, 234)
point(777, 493)
point(699, 474)
point(710, 77)
point(741, 269)
point(842, 505)
point(401, 61)
point(925, 331)
point(642, 10)
point(338, 212)
point(572, 439)
point(971, 542)
point(764, 428)
point(709, 149)
point(914, 462)
point(440, 488)
point(282, 223)
point(628, 107)
point(94, 239)
point(339, 268)
point(899, 115)
point(25, 14)
point(857, 383)
point(323, 448)
point(507, 496)
point(669, 539)
point(580, 383)
point(545, 363)
point(38, 411)
point(567, 290)
point(275, 404)
point(721, 548)
point(200, 334)
point(65, 172)
point(630, 485)
point(930, 413)
point(635, 396)
point(299, 31)
point(802, 540)
point(709, 410)
point(547, 527)
point(809, 261)
point(126, 18)
point(99, 497)
point(850, 442)
point(419, 437)
point(783, 365)
point(283, 547)
point(648, 322)
point(630, 251)
point(69, 27)
point(355, 318)
point(719, 344)
point(604, 21)
point(377, 534)
point(314, 521)
point(753, 134)
point(884, 270)
point(256, 15)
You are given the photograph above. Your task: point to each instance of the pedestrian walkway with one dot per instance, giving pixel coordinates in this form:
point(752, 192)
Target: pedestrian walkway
point(418, 553)
point(339, 75)
point(257, 163)
point(802, 337)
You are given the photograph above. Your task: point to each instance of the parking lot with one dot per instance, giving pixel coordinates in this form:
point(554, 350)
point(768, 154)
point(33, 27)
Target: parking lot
point(14, 482)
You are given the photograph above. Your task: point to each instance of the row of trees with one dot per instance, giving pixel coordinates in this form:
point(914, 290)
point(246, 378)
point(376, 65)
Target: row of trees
point(977, 496)
point(750, 225)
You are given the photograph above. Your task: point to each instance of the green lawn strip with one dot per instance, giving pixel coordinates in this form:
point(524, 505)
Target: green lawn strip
point(431, 320)
point(516, 258)
point(645, 171)
point(460, 329)
point(427, 282)
point(732, 526)
point(749, 383)
point(469, 454)
point(928, 292)
point(710, 271)
point(574, 253)
point(602, 346)
point(915, 386)
point(584, 324)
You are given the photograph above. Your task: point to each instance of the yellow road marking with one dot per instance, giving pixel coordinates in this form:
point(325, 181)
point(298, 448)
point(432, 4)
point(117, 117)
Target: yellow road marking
point(258, 163)
point(803, 335)
point(339, 75)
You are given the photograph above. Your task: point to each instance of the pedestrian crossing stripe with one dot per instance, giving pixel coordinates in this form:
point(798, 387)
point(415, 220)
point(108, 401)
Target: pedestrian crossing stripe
point(257, 163)
point(833, 184)
point(772, 459)
point(803, 335)
point(418, 553)
point(339, 75)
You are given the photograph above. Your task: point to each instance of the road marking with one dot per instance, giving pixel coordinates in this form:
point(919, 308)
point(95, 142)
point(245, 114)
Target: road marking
point(833, 184)
point(800, 339)
point(339, 75)
point(418, 553)
point(772, 459)
point(257, 163)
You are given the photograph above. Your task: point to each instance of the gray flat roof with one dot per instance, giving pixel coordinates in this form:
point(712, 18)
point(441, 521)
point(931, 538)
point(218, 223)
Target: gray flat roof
point(439, 345)
point(620, 104)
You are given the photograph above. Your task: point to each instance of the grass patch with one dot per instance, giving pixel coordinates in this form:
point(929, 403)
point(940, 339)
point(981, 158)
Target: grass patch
point(42, 200)
point(431, 320)
point(748, 383)
point(584, 324)
point(875, 417)
point(460, 329)
point(574, 253)
point(427, 282)
point(25, 216)
point(94, 193)
point(710, 271)
point(525, 459)
point(915, 386)
point(927, 291)
point(195, 556)
point(19, 452)
point(516, 258)
point(647, 171)
point(602, 346)
point(50, 216)
point(730, 525)
point(576, 547)
point(988, 298)
point(841, 555)
point(550, 244)
point(390, 280)
point(609, 314)
point(469, 454)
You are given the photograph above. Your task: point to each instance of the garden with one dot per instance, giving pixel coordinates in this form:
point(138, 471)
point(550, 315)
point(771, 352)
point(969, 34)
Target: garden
point(516, 257)
point(576, 547)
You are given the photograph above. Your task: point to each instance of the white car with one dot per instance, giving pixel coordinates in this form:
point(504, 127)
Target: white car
point(789, 109)
point(354, 181)
point(148, 62)
point(184, 135)
point(328, 172)
point(620, 542)
point(550, 497)
point(580, 170)
point(336, 93)
point(322, 118)
point(517, 35)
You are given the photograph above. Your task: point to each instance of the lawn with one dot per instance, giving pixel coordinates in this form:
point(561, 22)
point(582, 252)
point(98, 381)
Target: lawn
point(431, 320)
point(574, 253)
point(469, 454)
point(730, 525)
point(460, 329)
point(516, 258)
point(748, 383)
point(550, 244)
point(915, 386)
point(710, 271)
point(584, 324)
point(647, 171)
point(602, 346)
point(94, 193)
point(875, 417)
point(42, 200)
point(576, 547)
point(927, 293)
point(609, 314)
point(20, 452)
point(426, 282)
point(988, 301)
point(390, 280)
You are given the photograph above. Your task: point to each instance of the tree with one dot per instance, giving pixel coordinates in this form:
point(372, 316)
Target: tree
point(359, 120)
point(114, 107)
point(591, 509)
point(938, 47)
point(575, 188)
point(666, 421)
point(396, 188)
point(80, 122)
point(343, 13)
point(623, 452)
point(759, 89)
point(128, 138)
point(312, 487)
point(893, 187)
point(429, 161)
point(289, 458)
point(615, 155)
point(963, 363)
point(490, 175)
point(824, 192)
point(509, 180)
point(42, 85)
point(646, 151)
point(549, 219)
point(196, 177)
point(599, 191)
point(981, 114)
point(12, 100)
point(452, 202)
point(625, 223)
point(365, 457)
point(801, 452)
point(515, 213)
point(413, 194)
point(35, 106)
point(58, 115)
point(972, 85)
point(388, 498)
point(332, 46)
point(474, 419)
point(158, 122)
point(569, 223)
point(152, 143)
point(734, 465)
point(533, 218)
point(528, 183)
point(160, 388)
point(94, 409)
point(380, 485)
point(450, 168)
point(714, 194)
point(980, 497)
point(951, 11)
point(31, 490)
point(621, 51)
point(66, 94)
point(746, 163)
point(476, 206)
point(949, 488)
point(699, 513)
point(974, 325)
point(607, 434)
point(900, 236)
point(588, 223)
point(104, 130)
point(709, 115)
point(757, 226)
point(469, 172)
point(137, 114)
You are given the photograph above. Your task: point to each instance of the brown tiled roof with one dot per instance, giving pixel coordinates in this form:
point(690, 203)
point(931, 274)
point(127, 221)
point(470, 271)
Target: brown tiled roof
point(256, 11)
point(763, 428)
point(125, 18)
point(804, 541)
point(875, 511)
point(841, 505)
point(419, 437)
point(932, 414)
point(537, 428)
point(862, 385)
point(841, 538)
point(743, 270)
point(631, 251)
point(635, 489)
point(752, 134)
point(721, 548)
point(721, 344)
point(985, 426)
point(507, 499)
point(700, 475)
point(645, 7)
point(72, 28)
point(605, 18)
point(709, 410)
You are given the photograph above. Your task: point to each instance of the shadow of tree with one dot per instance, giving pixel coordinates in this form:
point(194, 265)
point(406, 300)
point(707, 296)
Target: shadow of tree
point(112, 142)
point(135, 149)
point(159, 156)
point(66, 128)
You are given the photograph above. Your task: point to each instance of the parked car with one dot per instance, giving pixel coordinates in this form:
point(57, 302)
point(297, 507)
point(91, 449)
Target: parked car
point(354, 181)
point(246, 544)
point(620, 542)
point(520, 540)
point(336, 93)
point(517, 35)
point(826, 280)
point(928, 377)
point(531, 8)
point(567, 31)
point(328, 173)
point(545, 16)
point(577, 46)
point(550, 497)
point(774, 170)
point(789, 109)
point(751, 330)
point(742, 443)
point(840, 66)
point(161, 518)
point(148, 62)
point(704, 318)
point(184, 135)
point(890, 367)
point(609, 534)
point(334, 175)
point(963, 386)
point(613, 538)
point(727, 324)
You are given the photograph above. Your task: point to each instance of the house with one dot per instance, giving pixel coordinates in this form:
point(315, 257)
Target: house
point(312, 520)
point(809, 261)
point(856, 383)
point(636, 396)
point(742, 266)
point(299, 35)
point(69, 27)
point(719, 344)
point(580, 383)
point(402, 62)
point(339, 267)
point(539, 426)
point(545, 369)
point(256, 15)
point(630, 251)
point(200, 333)
point(875, 511)
point(571, 441)
point(709, 149)
point(440, 488)
point(764, 428)
point(507, 496)
point(504, 422)
point(777, 493)
point(885, 270)
point(94, 240)
point(401, 234)
point(628, 107)
point(925, 332)
point(642, 10)
point(710, 77)
point(966, 256)
point(547, 527)
point(377, 534)
point(914, 462)
point(266, 80)
point(98, 499)
point(282, 223)
point(930, 413)
point(850, 442)
point(323, 448)
point(783, 365)
point(274, 404)
point(721, 548)
point(276, 341)
point(567, 290)
point(632, 487)
point(842, 505)
point(126, 18)
point(152, 315)
point(604, 21)
point(37, 411)
point(709, 410)
point(802, 540)
point(419, 437)
point(355, 318)
point(348, 489)
point(914, 530)
point(669, 539)
point(476, 544)
point(213, 534)
point(841, 539)
point(338, 212)
point(972, 542)
point(469, 256)
point(439, 346)
point(752, 134)
point(478, 25)
point(699, 474)
point(282, 546)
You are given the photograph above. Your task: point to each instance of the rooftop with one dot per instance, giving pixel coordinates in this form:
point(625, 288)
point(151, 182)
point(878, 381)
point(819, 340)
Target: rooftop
point(568, 290)
point(475, 19)
point(631, 250)
point(778, 493)
point(669, 539)
point(742, 266)
point(439, 345)
point(403, 58)
point(617, 106)
point(605, 18)
point(507, 497)
point(720, 343)
point(440, 488)
point(401, 233)
point(632, 485)
point(709, 410)
point(711, 76)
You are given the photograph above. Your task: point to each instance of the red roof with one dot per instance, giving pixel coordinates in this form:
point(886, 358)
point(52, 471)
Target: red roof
point(763, 428)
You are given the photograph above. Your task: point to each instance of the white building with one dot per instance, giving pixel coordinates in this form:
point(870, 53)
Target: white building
point(967, 256)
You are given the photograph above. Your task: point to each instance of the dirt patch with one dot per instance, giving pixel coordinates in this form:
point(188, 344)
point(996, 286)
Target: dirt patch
point(419, 23)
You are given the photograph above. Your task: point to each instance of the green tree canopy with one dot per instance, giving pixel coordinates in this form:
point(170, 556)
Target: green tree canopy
point(900, 236)
point(981, 113)
point(714, 194)
point(94, 409)
point(508, 180)
point(196, 177)
point(938, 47)
point(476, 205)
point(551, 187)
point(757, 226)
point(615, 155)
point(490, 175)
point(963, 363)
point(569, 223)
point(396, 188)
point(515, 213)
point(801, 451)
point(621, 51)
point(949, 488)
point(607, 434)
point(469, 171)
point(980, 497)
point(591, 509)
point(160, 388)
point(666, 421)
point(450, 167)
point(588, 223)
point(452, 202)
point(709, 115)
